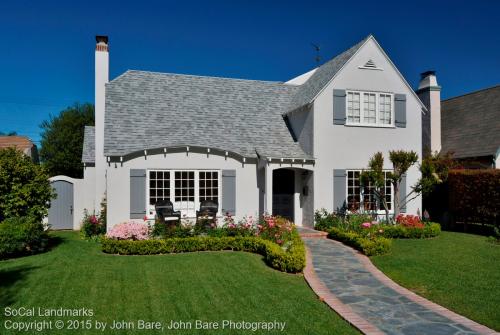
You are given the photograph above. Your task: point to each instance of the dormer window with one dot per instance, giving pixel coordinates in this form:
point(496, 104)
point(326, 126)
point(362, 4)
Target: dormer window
point(369, 109)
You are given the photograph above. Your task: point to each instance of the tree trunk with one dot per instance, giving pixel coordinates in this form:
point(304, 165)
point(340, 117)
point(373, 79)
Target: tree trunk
point(396, 199)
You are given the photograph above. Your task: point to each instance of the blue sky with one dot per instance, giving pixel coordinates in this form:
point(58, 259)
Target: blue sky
point(47, 49)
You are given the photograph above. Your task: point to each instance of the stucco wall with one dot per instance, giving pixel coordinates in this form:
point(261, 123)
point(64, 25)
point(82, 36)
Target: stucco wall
point(302, 123)
point(118, 179)
point(350, 147)
point(89, 189)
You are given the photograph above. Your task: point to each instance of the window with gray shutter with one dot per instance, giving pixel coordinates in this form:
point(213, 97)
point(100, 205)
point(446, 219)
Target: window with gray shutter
point(339, 189)
point(400, 110)
point(137, 193)
point(339, 107)
point(229, 192)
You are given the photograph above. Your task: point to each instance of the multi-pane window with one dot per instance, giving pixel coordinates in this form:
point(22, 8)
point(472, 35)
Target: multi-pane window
point(353, 191)
point(363, 196)
point(209, 185)
point(385, 109)
point(184, 188)
point(353, 107)
point(159, 186)
point(369, 108)
point(184, 185)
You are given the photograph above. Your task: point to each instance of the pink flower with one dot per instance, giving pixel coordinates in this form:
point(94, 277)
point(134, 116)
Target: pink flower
point(129, 231)
point(366, 225)
point(145, 218)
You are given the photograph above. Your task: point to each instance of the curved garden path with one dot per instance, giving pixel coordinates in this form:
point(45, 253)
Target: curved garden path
point(351, 285)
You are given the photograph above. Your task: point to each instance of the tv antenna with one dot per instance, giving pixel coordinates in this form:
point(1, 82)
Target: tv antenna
point(317, 48)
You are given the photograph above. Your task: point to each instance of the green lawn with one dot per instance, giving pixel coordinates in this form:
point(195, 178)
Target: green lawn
point(210, 286)
point(458, 271)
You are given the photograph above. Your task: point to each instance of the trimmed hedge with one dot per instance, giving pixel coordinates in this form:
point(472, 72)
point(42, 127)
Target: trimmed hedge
point(399, 231)
point(474, 195)
point(368, 246)
point(291, 260)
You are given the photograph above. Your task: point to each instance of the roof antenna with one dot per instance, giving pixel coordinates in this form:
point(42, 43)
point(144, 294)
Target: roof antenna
point(317, 48)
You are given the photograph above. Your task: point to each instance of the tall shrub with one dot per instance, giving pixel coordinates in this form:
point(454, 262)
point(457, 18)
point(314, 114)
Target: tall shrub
point(24, 186)
point(474, 195)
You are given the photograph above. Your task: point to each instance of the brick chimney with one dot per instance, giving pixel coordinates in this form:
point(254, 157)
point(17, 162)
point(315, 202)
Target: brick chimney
point(101, 79)
point(430, 93)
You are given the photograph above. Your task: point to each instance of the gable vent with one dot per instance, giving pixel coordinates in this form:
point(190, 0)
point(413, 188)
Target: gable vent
point(370, 65)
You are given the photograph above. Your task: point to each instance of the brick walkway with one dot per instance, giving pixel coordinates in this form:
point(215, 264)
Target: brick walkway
point(349, 283)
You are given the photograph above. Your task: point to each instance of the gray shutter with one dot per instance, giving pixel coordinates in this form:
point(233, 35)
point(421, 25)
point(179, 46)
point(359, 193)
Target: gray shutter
point(137, 193)
point(339, 97)
point(339, 189)
point(229, 192)
point(402, 193)
point(400, 110)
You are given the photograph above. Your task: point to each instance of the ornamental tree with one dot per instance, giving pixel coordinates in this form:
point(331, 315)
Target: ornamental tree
point(434, 170)
point(24, 186)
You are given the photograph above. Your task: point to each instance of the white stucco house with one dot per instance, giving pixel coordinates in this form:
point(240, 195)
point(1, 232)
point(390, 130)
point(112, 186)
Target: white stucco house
point(286, 148)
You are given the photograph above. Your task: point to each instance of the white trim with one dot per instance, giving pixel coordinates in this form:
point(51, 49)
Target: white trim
point(378, 211)
point(361, 122)
point(150, 213)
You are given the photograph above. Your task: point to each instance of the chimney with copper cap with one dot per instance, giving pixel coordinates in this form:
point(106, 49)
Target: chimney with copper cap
point(430, 93)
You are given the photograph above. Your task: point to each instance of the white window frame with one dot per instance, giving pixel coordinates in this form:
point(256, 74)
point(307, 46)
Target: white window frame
point(150, 209)
point(362, 122)
point(361, 195)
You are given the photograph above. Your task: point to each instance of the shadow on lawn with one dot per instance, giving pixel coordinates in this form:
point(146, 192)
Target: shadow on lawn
point(10, 280)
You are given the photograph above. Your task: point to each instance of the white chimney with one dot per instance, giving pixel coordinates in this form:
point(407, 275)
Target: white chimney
point(430, 93)
point(101, 79)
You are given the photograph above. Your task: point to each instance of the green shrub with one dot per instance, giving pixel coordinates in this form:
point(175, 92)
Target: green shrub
point(21, 236)
point(369, 246)
point(398, 231)
point(290, 259)
point(325, 221)
point(474, 195)
point(24, 186)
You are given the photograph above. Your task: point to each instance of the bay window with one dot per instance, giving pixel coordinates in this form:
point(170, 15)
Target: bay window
point(184, 188)
point(370, 109)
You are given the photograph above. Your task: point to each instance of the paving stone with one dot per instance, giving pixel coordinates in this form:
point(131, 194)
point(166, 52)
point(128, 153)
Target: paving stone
point(346, 277)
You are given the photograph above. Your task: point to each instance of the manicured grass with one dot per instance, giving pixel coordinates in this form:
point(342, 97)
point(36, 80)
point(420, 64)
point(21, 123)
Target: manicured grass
point(210, 286)
point(458, 271)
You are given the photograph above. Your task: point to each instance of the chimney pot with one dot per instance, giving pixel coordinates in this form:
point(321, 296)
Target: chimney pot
point(422, 75)
point(101, 43)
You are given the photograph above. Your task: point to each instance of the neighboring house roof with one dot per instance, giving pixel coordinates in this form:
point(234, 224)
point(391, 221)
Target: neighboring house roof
point(146, 110)
point(470, 124)
point(310, 89)
point(19, 142)
point(88, 152)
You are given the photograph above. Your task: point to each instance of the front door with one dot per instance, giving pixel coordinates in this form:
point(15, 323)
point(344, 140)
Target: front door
point(61, 208)
point(283, 193)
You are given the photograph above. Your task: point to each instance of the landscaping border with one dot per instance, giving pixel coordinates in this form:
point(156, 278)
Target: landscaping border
point(291, 260)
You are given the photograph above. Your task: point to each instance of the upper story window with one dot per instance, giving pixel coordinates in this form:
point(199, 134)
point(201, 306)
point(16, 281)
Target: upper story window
point(376, 109)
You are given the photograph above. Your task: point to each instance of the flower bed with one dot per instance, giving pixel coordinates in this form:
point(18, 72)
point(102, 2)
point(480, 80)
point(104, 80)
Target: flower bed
point(373, 237)
point(273, 237)
point(289, 259)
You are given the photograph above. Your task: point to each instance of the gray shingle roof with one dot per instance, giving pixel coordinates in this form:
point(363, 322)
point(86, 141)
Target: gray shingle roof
point(308, 91)
point(88, 152)
point(146, 110)
point(471, 123)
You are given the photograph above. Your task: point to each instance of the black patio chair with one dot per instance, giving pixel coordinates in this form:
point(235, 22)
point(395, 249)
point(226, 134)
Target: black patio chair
point(165, 212)
point(208, 210)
